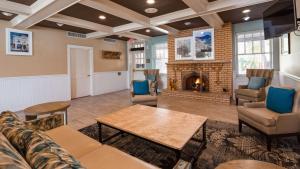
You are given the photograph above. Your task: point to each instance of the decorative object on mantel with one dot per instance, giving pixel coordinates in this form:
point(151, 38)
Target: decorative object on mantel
point(18, 42)
point(111, 54)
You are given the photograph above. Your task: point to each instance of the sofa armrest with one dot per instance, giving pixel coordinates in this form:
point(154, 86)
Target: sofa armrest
point(288, 123)
point(46, 123)
point(255, 105)
point(243, 86)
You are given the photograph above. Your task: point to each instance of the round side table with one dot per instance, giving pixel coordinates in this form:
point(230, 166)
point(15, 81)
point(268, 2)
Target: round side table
point(248, 164)
point(32, 112)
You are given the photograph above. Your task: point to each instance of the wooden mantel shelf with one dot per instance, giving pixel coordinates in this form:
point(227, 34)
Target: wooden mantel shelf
point(198, 62)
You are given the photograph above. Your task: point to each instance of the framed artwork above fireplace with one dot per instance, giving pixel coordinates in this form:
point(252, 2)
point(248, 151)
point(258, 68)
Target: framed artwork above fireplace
point(200, 46)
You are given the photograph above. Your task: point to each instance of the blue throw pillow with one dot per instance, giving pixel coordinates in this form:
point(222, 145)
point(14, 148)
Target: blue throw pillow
point(256, 83)
point(280, 100)
point(141, 87)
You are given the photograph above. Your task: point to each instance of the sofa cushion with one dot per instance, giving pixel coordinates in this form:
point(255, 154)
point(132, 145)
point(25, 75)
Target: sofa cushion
point(108, 157)
point(248, 92)
point(256, 83)
point(11, 118)
point(260, 115)
point(9, 156)
point(140, 87)
point(280, 100)
point(73, 141)
point(43, 152)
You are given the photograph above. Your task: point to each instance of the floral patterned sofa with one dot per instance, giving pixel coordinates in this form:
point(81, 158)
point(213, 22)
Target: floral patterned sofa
point(46, 143)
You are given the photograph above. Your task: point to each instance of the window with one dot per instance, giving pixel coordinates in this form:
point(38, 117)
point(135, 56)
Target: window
point(138, 54)
point(161, 53)
point(253, 51)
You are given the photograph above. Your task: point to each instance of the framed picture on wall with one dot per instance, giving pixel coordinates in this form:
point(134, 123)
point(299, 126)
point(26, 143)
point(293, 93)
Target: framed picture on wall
point(18, 42)
point(204, 44)
point(183, 48)
point(285, 42)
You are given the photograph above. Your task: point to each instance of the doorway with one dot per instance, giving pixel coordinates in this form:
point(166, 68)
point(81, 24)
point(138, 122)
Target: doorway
point(80, 71)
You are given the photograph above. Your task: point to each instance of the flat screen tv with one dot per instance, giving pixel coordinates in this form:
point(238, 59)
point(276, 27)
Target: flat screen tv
point(279, 19)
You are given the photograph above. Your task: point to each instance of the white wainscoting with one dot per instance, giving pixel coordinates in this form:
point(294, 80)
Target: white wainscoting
point(107, 82)
point(17, 93)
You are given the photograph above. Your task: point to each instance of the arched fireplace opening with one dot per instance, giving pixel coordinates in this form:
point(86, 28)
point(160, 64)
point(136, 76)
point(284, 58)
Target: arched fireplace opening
point(195, 81)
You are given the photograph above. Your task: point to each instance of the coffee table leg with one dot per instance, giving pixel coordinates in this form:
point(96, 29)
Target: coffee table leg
point(100, 132)
point(66, 116)
point(204, 133)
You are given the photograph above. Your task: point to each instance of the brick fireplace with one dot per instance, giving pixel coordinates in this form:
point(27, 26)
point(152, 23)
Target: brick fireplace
point(215, 76)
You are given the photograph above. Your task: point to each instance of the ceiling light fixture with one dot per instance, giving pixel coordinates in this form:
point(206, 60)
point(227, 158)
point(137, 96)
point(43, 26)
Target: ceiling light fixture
point(246, 11)
point(150, 1)
point(187, 23)
point(151, 10)
point(246, 18)
point(59, 24)
point(102, 17)
point(148, 30)
point(7, 13)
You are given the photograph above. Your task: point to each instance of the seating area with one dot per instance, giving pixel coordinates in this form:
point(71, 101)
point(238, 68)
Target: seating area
point(149, 84)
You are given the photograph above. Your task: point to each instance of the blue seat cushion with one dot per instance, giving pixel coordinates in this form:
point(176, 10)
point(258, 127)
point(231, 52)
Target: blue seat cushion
point(256, 83)
point(141, 87)
point(280, 100)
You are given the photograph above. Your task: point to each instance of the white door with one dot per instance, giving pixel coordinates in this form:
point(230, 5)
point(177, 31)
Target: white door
point(80, 72)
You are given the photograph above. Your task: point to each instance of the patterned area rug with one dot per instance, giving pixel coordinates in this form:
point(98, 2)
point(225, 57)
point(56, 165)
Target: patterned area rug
point(224, 144)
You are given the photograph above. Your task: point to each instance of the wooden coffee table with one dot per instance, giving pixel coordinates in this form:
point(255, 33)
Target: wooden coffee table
point(171, 129)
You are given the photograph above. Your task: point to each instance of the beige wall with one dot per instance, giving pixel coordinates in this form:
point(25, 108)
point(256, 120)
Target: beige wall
point(50, 54)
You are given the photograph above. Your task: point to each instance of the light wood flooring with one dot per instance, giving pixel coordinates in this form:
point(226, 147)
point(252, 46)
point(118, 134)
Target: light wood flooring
point(83, 111)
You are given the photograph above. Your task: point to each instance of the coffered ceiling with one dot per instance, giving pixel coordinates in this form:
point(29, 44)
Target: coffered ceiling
point(65, 27)
point(24, 2)
point(126, 19)
point(91, 14)
point(236, 15)
point(149, 32)
point(163, 6)
point(189, 23)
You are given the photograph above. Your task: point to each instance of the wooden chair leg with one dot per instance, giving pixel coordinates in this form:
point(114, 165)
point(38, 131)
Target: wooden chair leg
point(236, 101)
point(298, 138)
point(269, 143)
point(240, 126)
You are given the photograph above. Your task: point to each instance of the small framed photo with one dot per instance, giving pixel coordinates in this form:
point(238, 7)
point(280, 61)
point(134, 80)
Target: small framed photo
point(18, 42)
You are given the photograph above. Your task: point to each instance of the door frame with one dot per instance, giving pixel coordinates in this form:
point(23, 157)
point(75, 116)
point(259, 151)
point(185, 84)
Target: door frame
point(91, 61)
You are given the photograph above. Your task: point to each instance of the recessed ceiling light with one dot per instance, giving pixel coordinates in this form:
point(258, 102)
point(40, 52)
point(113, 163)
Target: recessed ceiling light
point(151, 10)
point(246, 11)
point(59, 24)
point(246, 18)
point(187, 23)
point(7, 13)
point(148, 30)
point(150, 1)
point(102, 17)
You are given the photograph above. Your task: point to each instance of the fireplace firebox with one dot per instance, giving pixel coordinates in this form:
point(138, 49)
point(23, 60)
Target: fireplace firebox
point(195, 81)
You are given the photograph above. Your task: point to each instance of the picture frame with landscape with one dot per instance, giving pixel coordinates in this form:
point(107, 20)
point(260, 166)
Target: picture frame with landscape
point(183, 48)
point(18, 42)
point(204, 44)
